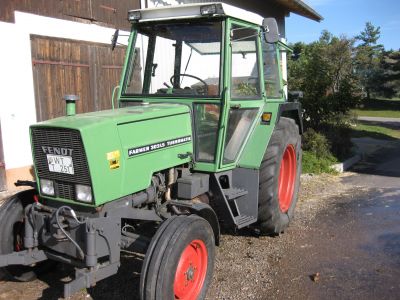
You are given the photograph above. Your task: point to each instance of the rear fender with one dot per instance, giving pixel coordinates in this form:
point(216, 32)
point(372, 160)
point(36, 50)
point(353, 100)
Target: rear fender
point(291, 110)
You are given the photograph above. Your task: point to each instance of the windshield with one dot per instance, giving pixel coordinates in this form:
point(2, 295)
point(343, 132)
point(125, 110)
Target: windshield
point(180, 59)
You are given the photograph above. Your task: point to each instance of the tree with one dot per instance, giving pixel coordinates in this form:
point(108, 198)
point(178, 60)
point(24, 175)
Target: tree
point(323, 70)
point(370, 36)
point(389, 79)
point(368, 56)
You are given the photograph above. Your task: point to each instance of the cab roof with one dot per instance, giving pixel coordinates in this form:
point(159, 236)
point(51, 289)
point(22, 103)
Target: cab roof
point(187, 11)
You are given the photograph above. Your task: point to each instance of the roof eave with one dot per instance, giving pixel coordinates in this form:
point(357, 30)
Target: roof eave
point(300, 8)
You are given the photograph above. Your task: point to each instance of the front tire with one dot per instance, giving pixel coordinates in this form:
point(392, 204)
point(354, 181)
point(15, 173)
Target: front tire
point(180, 260)
point(280, 178)
point(12, 235)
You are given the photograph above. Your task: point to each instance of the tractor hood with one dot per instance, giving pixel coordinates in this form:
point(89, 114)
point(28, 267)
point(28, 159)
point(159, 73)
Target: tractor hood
point(117, 116)
point(115, 152)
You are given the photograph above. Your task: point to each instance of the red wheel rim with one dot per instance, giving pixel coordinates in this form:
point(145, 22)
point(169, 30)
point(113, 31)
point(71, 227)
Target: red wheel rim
point(191, 271)
point(287, 178)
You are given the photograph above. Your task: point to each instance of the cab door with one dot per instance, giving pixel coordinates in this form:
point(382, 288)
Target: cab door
point(244, 92)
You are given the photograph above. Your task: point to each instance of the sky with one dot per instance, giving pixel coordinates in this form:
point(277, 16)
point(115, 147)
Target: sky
point(348, 17)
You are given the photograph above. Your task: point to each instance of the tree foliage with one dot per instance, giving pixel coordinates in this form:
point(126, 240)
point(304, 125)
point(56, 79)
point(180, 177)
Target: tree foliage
point(370, 36)
point(368, 55)
point(323, 70)
point(388, 80)
point(335, 73)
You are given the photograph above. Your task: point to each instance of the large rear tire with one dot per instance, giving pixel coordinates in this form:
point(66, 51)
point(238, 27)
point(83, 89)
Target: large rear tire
point(12, 234)
point(180, 260)
point(280, 178)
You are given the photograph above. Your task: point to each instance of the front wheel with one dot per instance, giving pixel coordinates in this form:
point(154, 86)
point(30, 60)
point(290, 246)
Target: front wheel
point(12, 236)
point(280, 178)
point(179, 261)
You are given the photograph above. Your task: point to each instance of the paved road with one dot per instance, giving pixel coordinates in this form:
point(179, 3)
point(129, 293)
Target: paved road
point(392, 123)
point(354, 243)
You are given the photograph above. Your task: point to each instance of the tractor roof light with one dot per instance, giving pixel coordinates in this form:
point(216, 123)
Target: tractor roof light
point(210, 10)
point(134, 15)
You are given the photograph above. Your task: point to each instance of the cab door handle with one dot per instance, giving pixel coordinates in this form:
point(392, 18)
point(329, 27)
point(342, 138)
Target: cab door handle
point(235, 106)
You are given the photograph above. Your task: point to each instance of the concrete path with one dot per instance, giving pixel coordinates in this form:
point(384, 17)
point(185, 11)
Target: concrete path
point(379, 119)
point(392, 123)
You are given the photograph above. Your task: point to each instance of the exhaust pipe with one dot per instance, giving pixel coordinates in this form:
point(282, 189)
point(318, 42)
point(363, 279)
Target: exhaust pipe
point(70, 102)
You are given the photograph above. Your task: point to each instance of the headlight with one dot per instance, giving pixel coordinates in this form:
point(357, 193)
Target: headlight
point(47, 187)
point(83, 193)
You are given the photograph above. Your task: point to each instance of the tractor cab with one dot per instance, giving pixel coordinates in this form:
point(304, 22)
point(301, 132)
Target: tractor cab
point(213, 58)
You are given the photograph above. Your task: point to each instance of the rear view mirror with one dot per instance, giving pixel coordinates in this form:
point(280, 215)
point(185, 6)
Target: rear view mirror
point(271, 33)
point(295, 96)
point(114, 39)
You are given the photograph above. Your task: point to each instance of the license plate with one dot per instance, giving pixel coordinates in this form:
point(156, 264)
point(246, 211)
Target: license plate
point(60, 164)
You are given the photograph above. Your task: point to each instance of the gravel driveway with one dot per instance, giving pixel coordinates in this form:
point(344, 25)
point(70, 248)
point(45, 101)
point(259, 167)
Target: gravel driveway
point(344, 243)
point(247, 265)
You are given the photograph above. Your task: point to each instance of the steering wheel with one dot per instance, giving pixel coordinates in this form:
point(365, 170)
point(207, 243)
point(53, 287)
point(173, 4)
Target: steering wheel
point(191, 76)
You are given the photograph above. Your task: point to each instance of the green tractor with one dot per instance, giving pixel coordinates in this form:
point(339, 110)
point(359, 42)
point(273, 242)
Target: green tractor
point(203, 137)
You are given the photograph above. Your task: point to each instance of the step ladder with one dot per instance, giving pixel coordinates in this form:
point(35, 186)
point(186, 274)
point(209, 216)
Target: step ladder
point(230, 204)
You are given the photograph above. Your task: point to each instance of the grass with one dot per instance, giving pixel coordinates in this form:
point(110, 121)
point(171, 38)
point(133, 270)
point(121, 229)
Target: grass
point(386, 108)
point(386, 99)
point(317, 165)
point(369, 129)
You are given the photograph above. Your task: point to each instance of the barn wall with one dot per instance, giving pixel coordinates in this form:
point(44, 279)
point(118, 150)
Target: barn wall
point(109, 13)
point(65, 66)
point(17, 103)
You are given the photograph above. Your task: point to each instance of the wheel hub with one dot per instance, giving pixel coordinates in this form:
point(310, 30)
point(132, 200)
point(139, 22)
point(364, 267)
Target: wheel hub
point(190, 273)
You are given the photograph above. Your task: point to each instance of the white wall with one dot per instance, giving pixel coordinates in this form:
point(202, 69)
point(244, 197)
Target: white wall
point(17, 100)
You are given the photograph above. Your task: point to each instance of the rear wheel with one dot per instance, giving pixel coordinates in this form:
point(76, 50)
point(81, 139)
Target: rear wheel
point(180, 260)
point(12, 235)
point(280, 178)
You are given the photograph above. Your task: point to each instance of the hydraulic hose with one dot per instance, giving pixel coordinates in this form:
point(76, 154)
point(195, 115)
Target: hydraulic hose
point(81, 253)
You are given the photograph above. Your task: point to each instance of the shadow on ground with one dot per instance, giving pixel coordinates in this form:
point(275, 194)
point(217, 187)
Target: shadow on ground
point(123, 285)
point(383, 162)
point(386, 124)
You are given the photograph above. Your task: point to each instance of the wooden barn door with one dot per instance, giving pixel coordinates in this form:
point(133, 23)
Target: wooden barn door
point(62, 66)
point(3, 182)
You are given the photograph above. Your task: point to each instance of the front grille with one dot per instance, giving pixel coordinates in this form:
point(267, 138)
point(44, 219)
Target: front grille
point(65, 190)
point(62, 138)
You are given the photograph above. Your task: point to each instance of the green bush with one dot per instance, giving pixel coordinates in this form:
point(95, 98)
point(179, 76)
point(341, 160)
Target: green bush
point(339, 137)
point(317, 157)
point(316, 143)
point(316, 165)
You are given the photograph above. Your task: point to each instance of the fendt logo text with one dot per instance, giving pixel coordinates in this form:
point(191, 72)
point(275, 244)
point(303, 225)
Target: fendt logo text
point(57, 151)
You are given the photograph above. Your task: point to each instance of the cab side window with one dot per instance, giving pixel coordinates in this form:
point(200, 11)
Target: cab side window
point(271, 71)
point(245, 72)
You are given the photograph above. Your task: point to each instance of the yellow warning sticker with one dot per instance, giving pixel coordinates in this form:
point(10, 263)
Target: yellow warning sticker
point(113, 159)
